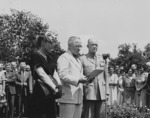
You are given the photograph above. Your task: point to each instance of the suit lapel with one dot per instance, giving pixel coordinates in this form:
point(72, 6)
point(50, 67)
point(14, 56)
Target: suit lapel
point(76, 62)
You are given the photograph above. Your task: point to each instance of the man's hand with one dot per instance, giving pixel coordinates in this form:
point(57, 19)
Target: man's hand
point(90, 80)
point(83, 80)
point(25, 84)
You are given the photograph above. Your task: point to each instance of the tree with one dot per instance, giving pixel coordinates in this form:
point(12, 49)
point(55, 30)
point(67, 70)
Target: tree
point(128, 54)
point(147, 52)
point(18, 32)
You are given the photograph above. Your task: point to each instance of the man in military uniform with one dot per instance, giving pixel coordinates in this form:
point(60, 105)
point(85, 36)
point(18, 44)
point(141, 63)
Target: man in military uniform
point(94, 92)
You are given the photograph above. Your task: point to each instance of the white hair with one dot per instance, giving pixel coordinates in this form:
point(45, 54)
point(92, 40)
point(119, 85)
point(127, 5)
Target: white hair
point(72, 40)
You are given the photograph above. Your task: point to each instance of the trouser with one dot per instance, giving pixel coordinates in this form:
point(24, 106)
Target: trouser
point(68, 110)
point(22, 105)
point(93, 109)
point(29, 97)
point(11, 101)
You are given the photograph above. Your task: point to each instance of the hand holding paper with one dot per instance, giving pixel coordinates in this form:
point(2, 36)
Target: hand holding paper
point(93, 74)
point(83, 80)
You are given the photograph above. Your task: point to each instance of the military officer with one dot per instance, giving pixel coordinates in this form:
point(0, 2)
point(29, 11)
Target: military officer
point(94, 92)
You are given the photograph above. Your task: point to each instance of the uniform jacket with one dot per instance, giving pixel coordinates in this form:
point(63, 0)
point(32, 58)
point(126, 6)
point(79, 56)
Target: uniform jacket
point(96, 89)
point(70, 71)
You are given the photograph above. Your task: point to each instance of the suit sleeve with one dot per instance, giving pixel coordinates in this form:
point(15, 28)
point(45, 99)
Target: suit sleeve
point(63, 66)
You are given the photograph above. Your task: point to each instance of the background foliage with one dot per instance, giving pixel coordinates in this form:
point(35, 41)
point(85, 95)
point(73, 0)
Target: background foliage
point(18, 32)
point(129, 54)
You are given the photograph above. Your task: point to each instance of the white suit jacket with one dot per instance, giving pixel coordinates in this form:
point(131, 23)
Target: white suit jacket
point(70, 71)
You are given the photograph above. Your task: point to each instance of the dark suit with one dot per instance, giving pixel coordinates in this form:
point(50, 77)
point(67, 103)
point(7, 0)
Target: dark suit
point(24, 85)
point(11, 91)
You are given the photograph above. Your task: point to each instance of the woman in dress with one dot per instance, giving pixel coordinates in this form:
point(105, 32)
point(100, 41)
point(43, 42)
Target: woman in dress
point(2, 85)
point(129, 87)
point(45, 91)
point(113, 79)
point(2, 90)
point(140, 83)
point(120, 87)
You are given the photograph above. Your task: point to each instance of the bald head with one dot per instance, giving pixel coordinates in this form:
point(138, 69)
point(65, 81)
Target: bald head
point(92, 40)
point(92, 45)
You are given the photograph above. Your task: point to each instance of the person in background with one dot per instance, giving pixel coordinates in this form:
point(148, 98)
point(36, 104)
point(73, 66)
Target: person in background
point(30, 84)
point(45, 90)
point(14, 66)
point(21, 90)
point(94, 92)
point(129, 87)
point(120, 87)
point(30, 81)
point(11, 78)
point(2, 90)
point(113, 84)
point(116, 69)
point(140, 83)
point(70, 71)
point(15, 69)
point(148, 86)
point(134, 67)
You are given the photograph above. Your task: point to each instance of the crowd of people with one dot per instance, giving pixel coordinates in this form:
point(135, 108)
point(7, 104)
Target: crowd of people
point(81, 86)
point(129, 86)
point(16, 87)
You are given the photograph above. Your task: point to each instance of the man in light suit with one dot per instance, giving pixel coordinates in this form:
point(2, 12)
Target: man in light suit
point(70, 72)
point(94, 92)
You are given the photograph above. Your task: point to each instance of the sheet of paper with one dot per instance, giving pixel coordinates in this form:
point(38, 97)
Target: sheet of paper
point(94, 73)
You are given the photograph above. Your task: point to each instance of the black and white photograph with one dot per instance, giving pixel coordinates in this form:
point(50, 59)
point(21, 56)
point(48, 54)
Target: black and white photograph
point(74, 58)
